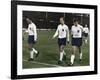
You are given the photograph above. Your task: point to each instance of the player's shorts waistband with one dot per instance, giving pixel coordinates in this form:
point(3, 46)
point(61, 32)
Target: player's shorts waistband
point(62, 38)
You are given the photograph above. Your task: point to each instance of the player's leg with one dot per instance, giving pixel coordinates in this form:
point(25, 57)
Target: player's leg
point(31, 52)
point(74, 48)
point(34, 50)
point(73, 55)
point(63, 47)
point(80, 52)
point(80, 48)
point(86, 38)
point(64, 55)
point(31, 43)
point(61, 50)
point(61, 43)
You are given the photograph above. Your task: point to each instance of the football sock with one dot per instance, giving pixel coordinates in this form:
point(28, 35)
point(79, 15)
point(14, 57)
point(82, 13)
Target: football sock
point(86, 41)
point(61, 56)
point(34, 50)
point(72, 58)
point(81, 55)
point(31, 54)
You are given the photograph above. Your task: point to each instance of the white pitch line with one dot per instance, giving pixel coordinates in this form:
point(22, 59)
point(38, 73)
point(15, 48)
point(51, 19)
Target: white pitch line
point(43, 63)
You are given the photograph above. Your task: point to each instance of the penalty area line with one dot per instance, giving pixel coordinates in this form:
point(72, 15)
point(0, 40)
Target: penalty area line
point(42, 63)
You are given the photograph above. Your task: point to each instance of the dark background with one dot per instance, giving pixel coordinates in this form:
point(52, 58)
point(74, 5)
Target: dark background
point(50, 20)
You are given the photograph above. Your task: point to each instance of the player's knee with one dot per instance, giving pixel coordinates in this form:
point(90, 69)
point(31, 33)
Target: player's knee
point(80, 50)
point(73, 49)
point(30, 48)
point(61, 49)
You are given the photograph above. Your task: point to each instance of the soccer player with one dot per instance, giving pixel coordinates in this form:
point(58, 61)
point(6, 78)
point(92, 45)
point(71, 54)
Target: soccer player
point(85, 33)
point(32, 38)
point(61, 32)
point(76, 32)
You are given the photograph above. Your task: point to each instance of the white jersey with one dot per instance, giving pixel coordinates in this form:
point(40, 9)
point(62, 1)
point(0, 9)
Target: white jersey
point(85, 30)
point(32, 30)
point(62, 31)
point(77, 31)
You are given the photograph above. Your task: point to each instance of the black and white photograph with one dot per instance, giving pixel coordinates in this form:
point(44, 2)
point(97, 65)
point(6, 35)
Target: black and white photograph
point(53, 39)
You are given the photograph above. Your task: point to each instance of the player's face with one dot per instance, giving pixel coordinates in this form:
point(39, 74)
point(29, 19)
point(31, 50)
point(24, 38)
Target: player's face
point(28, 20)
point(62, 21)
point(76, 23)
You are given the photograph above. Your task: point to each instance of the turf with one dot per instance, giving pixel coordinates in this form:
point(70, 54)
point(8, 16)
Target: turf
point(49, 53)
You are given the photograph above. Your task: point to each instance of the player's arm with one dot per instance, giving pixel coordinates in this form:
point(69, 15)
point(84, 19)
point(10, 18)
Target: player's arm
point(82, 28)
point(56, 34)
point(88, 31)
point(67, 34)
point(71, 32)
point(35, 32)
point(26, 31)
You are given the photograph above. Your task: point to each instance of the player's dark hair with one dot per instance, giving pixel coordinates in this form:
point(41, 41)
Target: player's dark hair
point(29, 18)
point(75, 20)
point(62, 17)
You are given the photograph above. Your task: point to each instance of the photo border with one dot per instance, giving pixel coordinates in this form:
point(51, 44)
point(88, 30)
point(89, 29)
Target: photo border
point(14, 39)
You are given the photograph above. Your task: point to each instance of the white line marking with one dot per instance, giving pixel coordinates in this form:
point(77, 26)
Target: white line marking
point(43, 63)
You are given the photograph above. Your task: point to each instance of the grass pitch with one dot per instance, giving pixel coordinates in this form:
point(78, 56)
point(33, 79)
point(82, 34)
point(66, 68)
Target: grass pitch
point(49, 53)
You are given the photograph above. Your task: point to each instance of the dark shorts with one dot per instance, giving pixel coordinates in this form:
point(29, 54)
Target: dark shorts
point(61, 41)
point(85, 34)
point(31, 39)
point(77, 42)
